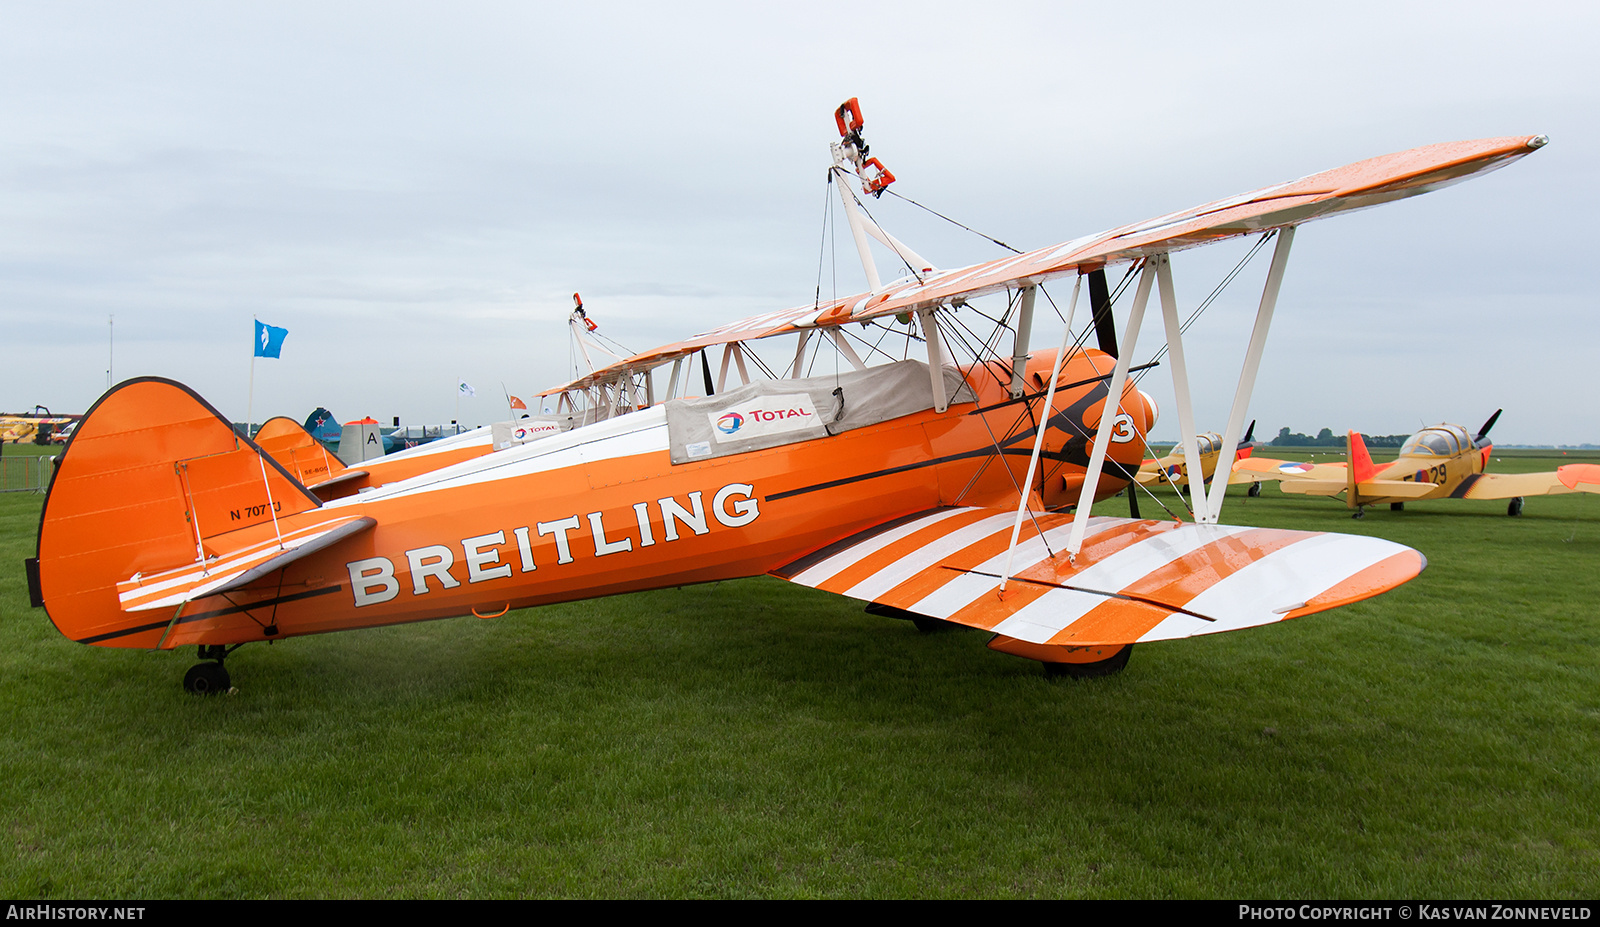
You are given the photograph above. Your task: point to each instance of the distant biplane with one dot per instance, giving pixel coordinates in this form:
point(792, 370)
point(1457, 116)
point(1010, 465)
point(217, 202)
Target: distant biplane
point(1438, 462)
point(940, 490)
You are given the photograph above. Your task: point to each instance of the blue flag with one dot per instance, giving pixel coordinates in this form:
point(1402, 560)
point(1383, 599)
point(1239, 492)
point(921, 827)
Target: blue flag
point(269, 339)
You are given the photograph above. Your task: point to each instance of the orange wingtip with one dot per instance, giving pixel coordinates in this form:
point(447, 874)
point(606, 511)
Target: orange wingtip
point(1573, 474)
point(1378, 578)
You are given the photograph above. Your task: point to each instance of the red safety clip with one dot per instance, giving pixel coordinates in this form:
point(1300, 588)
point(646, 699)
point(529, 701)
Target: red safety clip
point(578, 302)
point(875, 178)
point(852, 108)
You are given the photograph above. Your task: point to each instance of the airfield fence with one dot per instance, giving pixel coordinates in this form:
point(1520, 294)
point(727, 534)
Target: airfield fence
point(26, 473)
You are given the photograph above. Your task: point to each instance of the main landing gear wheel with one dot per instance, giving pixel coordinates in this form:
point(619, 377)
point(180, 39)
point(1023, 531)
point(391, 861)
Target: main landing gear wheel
point(1514, 507)
point(1255, 490)
point(1107, 667)
point(1397, 506)
point(207, 679)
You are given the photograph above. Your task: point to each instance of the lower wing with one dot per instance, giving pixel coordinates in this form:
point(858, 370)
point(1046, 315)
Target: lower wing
point(1133, 581)
point(1571, 478)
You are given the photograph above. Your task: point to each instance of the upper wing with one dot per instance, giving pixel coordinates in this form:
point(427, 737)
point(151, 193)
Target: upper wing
point(1133, 581)
point(1354, 186)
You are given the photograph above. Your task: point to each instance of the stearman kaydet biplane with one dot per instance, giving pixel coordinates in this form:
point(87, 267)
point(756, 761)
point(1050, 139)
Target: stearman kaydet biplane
point(1438, 462)
point(955, 486)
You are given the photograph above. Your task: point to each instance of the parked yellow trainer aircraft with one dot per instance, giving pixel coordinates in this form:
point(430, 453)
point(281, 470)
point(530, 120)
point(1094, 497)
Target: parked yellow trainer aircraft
point(1438, 462)
point(1171, 471)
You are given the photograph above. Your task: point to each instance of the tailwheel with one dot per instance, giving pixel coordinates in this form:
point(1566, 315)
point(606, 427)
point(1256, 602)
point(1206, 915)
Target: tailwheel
point(1514, 507)
point(207, 679)
point(1360, 512)
point(1091, 669)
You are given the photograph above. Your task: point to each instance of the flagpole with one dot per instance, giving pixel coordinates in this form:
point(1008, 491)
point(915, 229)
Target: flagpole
point(250, 404)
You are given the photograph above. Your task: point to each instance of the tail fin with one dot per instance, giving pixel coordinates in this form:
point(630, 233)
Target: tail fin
point(153, 474)
point(1360, 469)
point(322, 425)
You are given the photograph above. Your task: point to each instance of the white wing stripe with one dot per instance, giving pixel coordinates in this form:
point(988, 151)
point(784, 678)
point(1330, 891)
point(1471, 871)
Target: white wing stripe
point(915, 562)
point(822, 572)
point(1046, 616)
point(1284, 579)
point(966, 588)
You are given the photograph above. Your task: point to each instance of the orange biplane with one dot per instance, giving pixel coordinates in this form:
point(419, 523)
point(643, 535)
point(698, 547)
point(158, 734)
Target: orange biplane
point(1438, 462)
point(957, 489)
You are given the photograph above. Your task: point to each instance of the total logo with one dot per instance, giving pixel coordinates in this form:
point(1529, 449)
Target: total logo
point(763, 417)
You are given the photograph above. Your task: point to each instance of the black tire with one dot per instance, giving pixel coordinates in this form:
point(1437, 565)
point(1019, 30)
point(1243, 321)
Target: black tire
point(1397, 506)
point(1514, 507)
point(1110, 666)
point(1255, 490)
point(207, 679)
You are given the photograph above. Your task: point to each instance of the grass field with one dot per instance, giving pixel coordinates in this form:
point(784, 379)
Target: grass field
point(754, 739)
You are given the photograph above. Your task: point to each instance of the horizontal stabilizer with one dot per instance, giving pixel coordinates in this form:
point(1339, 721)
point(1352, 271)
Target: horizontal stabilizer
point(1321, 487)
point(344, 477)
point(234, 570)
point(1133, 581)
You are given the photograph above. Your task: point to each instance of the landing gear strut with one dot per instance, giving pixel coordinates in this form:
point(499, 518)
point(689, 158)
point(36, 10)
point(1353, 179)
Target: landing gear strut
point(209, 678)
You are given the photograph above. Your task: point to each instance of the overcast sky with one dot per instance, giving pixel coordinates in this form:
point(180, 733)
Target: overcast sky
point(415, 190)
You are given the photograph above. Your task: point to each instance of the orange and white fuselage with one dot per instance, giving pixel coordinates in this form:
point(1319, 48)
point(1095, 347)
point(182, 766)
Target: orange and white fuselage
point(596, 511)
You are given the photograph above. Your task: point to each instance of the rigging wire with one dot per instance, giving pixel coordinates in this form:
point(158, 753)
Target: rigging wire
point(952, 221)
point(822, 247)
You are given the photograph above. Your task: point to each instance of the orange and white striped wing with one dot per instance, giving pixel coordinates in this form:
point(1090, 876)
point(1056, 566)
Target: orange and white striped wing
point(1133, 581)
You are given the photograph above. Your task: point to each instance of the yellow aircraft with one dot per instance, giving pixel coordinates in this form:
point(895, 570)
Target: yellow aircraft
point(1438, 462)
point(1171, 471)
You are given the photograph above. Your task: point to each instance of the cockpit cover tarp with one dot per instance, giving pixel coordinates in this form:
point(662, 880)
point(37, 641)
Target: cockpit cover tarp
point(772, 413)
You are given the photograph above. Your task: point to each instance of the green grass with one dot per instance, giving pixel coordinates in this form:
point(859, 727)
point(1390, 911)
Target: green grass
point(755, 739)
